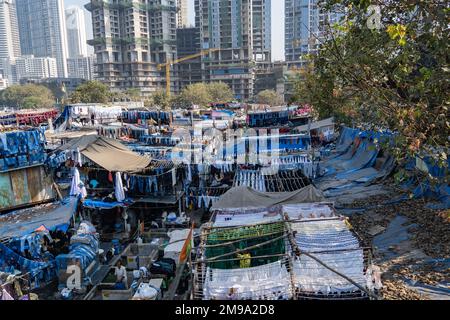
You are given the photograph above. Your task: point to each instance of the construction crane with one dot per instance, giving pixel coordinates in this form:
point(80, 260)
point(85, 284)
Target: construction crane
point(169, 63)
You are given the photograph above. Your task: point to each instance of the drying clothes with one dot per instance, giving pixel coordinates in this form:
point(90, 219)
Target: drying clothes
point(35, 117)
point(308, 211)
point(159, 140)
point(198, 202)
point(119, 192)
point(266, 282)
point(143, 184)
point(189, 173)
point(80, 110)
point(3, 143)
point(224, 167)
point(38, 270)
point(136, 116)
point(114, 132)
point(77, 187)
point(333, 243)
point(152, 184)
point(105, 113)
point(251, 178)
point(21, 148)
point(225, 219)
point(77, 160)
point(174, 177)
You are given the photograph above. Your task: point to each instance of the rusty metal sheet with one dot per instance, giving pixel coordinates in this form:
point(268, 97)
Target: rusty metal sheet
point(25, 186)
point(39, 184)
point(6, 199)
point(20, 187)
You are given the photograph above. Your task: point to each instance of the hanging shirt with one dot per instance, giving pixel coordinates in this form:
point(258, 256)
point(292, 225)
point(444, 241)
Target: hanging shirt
point(174, 177)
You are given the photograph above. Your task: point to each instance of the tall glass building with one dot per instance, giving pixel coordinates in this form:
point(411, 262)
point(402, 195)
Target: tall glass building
point(306, 26)
point(76, 32)
point(42, 29)
point(241, 29)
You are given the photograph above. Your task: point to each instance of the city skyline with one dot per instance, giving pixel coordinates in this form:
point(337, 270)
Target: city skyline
point(277, 24)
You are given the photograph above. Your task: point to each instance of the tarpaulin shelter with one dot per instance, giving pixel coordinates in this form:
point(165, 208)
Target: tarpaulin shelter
point(107, 153)
point(329, 122)
point(245, 197)
point(360, 159)
point(23, 222)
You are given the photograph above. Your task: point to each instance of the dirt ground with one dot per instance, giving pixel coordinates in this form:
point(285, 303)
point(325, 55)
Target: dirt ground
point(428, 239)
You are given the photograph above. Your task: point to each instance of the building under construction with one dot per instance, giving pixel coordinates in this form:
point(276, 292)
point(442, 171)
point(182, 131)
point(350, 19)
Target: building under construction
point(130, 39)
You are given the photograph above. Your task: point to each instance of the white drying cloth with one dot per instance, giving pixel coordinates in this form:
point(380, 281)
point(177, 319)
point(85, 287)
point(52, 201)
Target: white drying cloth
point(308, 210)
point(332, 236)
point(118, 188)
point(77, 159)
point(246, 219)
point(77, 186)
point(270, 281)
point(312, 277)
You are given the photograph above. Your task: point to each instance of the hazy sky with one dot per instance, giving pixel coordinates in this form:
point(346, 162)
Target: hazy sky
point(277, 24)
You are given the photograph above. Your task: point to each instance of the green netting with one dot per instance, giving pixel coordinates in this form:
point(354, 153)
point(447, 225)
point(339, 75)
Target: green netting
point(244, 232)
point(247, 236)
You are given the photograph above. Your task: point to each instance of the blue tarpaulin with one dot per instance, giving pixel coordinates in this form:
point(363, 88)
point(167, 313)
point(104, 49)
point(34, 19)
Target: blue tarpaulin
point(23, 222)
point(356, 159)
point(439, 191)
point(98, 204)
point(40, 271)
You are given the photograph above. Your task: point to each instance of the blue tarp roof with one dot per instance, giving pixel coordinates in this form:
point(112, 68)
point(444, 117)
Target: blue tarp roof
point(98, 204)
point(23, 222)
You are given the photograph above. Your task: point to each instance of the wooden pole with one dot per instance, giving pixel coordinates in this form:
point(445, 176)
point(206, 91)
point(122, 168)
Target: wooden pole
point(57, 191)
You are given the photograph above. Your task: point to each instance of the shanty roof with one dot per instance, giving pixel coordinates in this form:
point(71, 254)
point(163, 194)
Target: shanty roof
point(20, 223)
point(245, 197)
point(108, 153)
point(70, 134)
point(317, 124)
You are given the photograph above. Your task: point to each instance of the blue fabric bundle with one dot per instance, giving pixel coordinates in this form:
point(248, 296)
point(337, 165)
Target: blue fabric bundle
point(84, 252)
point(22, 148)
point(39, 270)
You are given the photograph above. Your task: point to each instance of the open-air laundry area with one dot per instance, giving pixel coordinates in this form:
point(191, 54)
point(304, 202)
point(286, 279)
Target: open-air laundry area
point(122, 202)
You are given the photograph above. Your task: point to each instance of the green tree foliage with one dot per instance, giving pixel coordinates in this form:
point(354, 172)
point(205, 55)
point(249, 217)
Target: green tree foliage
point(29, 96)
point(219, 92)
point(203, 94)
point(270, 97)
point(134, 94)
point(197, 94)
point(393, 77)
point(160, 99)
point(91, 92)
